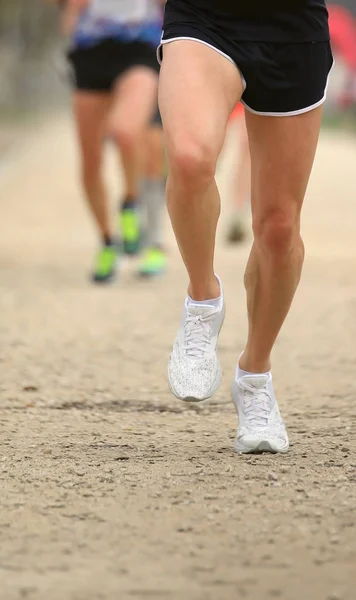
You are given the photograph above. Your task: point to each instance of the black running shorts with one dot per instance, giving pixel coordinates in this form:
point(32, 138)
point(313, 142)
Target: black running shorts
point(280, 78)
point(97, 68)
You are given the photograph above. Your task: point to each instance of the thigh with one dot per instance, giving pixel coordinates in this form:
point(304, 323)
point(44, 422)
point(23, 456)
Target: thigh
point(282, 156)
point(91, 111)
point(134, 99)
point(198, 90)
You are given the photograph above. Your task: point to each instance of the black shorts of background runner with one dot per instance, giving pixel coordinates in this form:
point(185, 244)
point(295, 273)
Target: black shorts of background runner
point(280, 77)
point(97, 68)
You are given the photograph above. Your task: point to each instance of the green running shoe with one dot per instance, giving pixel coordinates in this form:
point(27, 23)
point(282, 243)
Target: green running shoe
point(154, 261)
point(129, 221)
point(105, 264)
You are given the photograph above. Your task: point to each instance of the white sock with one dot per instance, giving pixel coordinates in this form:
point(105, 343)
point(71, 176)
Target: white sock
point(215, 302)
point(241, 373)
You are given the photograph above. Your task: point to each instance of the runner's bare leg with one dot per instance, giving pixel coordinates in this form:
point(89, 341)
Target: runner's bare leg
point(195, 126)
point(282, 154)
point(134, 102)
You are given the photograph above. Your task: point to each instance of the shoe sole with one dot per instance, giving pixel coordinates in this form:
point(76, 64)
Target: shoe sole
point(131, 249)
point(262, 445)
point(214, 388)
point(150, 275)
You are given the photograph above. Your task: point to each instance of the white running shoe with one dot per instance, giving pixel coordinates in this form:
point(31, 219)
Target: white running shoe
point(261, 428)
point(194, 371)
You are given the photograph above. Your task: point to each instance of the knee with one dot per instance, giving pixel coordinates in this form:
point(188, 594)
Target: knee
point(192, 162)
point(125, 136)
point(277, 232)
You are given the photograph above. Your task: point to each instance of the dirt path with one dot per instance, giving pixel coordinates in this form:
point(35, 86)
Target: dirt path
point(111, 489)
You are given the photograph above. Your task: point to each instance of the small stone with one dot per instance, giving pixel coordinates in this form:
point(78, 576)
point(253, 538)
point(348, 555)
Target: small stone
point(335, 540)
point(30, 388)
point(80, 473)
point(26, 592)
point(272, 476)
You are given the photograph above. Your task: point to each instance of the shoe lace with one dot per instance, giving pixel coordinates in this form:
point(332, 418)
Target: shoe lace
point(197, 335)
point(256, 404)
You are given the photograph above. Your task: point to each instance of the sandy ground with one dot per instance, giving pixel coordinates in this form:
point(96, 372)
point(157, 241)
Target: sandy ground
point(110, 488)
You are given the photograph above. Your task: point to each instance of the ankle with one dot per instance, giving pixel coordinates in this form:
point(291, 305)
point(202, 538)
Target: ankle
point(107, 239)
point(208, 290)
point(129, 202)
point(252, 364)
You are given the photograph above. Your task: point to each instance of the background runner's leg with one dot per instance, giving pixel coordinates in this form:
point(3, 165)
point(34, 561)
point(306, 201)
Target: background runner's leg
point(282, 155)
point(195, 125)
point(154, 184)
point(91, 110)
point(242, 176)
point(153, 261)
point(133, 106)
point(240, 187)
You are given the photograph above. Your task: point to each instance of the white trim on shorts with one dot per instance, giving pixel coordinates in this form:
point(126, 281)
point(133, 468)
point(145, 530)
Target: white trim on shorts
point(193, 39)
point(292, 113)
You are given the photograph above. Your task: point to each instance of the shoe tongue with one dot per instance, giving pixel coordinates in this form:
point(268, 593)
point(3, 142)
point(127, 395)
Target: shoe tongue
point(201, 309)
point(257, 381)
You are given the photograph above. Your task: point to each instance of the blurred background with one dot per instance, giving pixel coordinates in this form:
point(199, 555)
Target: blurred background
point(32, 65)
point(29, 48)
point(31, 54)
point(110, 488)
point(34, 71)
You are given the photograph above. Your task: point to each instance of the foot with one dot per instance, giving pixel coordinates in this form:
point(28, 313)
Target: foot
point(261, 428)
point(194, 371)
point(129, 223)
point(105, 264)
point(153, 262)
